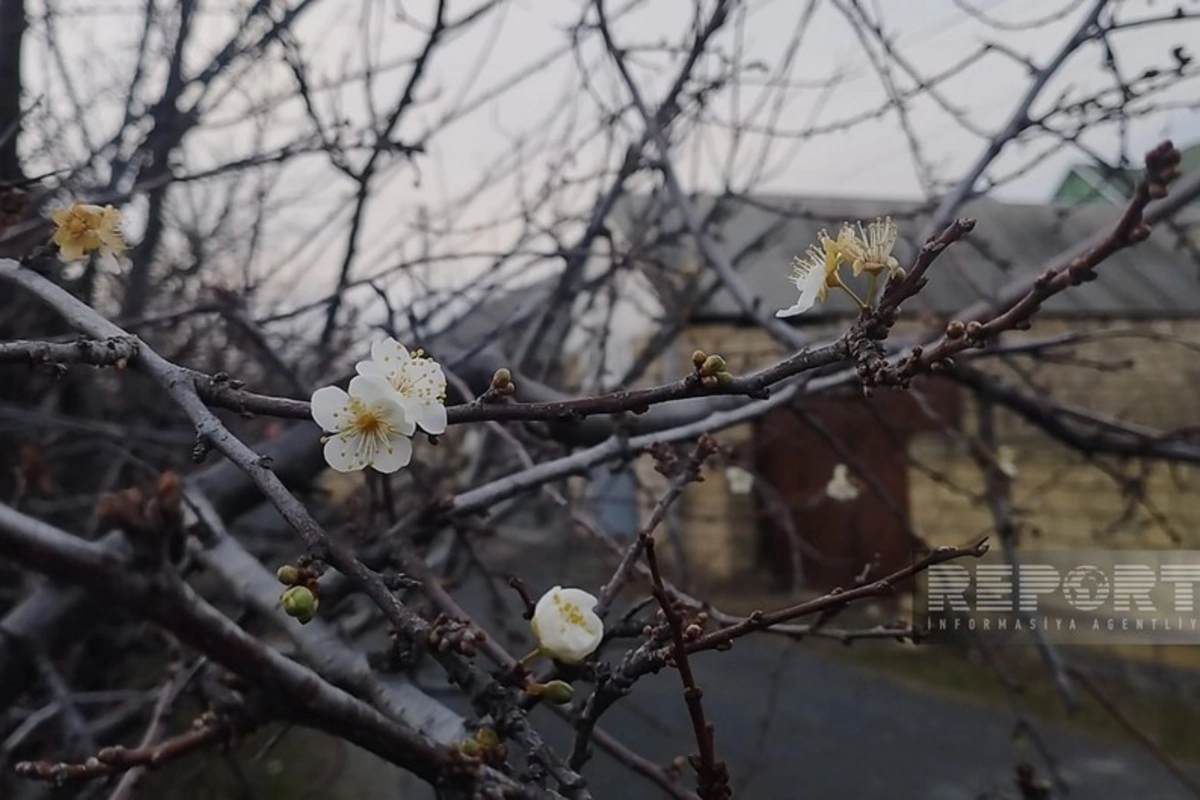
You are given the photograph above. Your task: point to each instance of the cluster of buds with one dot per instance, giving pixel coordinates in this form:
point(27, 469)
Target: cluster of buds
point(449, 635)
point(299, 599)
point(711, 369)
point(973, 331)
point(484, 745)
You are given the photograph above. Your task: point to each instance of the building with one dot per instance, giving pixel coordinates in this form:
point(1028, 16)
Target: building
point(1090, 182)
point(909, 453)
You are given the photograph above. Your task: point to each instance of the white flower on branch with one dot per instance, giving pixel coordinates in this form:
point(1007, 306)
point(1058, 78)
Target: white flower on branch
point(870, 250)
point(817, 271)
point(740, 481)
point(811, 275)
point(840, 487)
point(565, 624)
point(418, 382)
point(367, 427)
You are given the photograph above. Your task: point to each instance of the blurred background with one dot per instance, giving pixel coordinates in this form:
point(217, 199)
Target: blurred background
point(586, 193)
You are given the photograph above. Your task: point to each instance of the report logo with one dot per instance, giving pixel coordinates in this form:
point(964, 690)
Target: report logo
point(1072, 597)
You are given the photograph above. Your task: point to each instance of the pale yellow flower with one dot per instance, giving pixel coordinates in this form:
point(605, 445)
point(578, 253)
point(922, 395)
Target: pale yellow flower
point(870, 249)
point(83, 229)
point(815, 274)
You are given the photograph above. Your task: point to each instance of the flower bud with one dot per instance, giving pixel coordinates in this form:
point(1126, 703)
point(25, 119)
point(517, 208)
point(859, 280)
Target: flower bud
point(288, 574)
point(724, 378)
point(712, 365)
point(501, 378)
point(698, 358)
point(299, 602)
point(557, 692)
point(471, 747)
point(487, 738)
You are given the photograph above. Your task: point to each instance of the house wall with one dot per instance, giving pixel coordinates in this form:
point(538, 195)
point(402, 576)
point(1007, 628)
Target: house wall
point(1060, 498)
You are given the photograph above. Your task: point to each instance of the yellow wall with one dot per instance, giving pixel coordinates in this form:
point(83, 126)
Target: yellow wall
point(1060, 497)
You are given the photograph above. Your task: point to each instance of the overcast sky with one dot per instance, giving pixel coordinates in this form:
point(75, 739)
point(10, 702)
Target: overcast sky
point(551, 112)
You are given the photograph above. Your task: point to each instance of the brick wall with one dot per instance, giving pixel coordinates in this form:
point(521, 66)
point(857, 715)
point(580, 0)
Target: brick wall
point(1061, 498)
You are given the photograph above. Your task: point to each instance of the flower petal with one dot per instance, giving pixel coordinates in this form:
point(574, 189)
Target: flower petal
point(330, 408)
point(389, 353)
point(401, 413)
point(583, 599)
point(432, 418)
point(393, 456)
point(109, 261)
point(796, 309)
point(372, 389)
point(371, 369)
point(70, 251)
point(545, 602)
point(346, 453)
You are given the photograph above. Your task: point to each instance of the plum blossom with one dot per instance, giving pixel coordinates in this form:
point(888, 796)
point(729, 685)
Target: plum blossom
point(418, 383)
point(565, 624)
point(83, 229)
point(365, 427)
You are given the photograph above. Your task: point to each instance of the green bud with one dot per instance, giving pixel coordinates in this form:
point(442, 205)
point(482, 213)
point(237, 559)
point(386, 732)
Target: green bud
point(501, 378)
point(299, 602)
point(557, 692)
point(712, 365)
point(724, 378)
point(288, 575)
point(698, 358)
point(487, 737)
point(471, 747)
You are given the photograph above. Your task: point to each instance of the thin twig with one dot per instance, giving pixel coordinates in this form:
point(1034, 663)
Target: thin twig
point(712, 776)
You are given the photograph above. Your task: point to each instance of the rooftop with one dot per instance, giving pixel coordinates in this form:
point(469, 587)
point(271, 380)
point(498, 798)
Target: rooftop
point(761, 235)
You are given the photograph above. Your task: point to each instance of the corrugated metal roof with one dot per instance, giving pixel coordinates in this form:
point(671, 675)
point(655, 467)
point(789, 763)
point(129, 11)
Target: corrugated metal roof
point(1009, 240)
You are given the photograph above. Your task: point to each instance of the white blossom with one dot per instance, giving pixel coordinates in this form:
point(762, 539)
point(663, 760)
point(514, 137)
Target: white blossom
point(810, 274)
point(740, 480)
point(418, 382)
point(366, 427)
point(840, 487)
point(565, 624)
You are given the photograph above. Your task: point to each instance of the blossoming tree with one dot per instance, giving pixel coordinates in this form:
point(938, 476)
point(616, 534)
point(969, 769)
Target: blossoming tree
point(198, 375)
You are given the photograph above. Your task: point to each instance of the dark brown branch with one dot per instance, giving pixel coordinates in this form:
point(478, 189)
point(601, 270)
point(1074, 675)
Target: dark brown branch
point(688, 472)
point(712, 776)
point(885, 586)
point(116, 760)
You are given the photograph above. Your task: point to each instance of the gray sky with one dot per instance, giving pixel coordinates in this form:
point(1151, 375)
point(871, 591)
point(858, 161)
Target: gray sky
point(551, 112)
